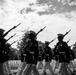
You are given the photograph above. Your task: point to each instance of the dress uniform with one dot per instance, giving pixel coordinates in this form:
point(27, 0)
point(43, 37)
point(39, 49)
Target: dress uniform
point(48, 57)
point(61, 50)
point(31, 51)
point(2, 50)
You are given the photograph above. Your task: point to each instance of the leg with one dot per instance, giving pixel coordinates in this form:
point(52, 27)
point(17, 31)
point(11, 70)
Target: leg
point(5, 69)
point(35, 70)
point(72, 64)
point(27, 70)
point(8, 67)
point(63, 69)
point(68, 68)
point(21, 68)
point(56, 65)
point(40, 65)
point(50, 68)
point(44, 69)
point(2, 67)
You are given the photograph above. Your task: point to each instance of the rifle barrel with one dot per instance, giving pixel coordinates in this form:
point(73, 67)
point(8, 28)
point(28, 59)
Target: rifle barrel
point(13, 42)
point(11, 29)
point(67, 32)
point(52, 40)
point(11, 37)
point(40, 30)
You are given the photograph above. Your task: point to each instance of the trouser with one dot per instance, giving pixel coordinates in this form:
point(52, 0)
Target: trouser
point(21, 68)
point(47, 65)
point(56, 65)
point(29, 68)
point(7, 68)
point(64, 70)
point(72, 64)
point(40, 65)
point(2, 68)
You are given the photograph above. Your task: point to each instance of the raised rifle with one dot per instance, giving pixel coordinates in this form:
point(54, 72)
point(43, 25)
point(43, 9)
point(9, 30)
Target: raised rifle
point(13, 42)
point(11, 29)
point(51, 41)
point(11, 37)
point(67, 33)
point(48, 44)
point(40, 30)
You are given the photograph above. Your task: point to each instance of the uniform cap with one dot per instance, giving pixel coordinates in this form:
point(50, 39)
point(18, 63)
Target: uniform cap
point(2, 30)
point(31, 34)
point(60, 35)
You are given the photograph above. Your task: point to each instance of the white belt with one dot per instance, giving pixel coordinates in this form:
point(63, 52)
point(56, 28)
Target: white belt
point(32, 52)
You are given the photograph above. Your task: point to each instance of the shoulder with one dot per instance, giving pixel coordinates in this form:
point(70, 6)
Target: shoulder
point(64, 43)
point(49, 47)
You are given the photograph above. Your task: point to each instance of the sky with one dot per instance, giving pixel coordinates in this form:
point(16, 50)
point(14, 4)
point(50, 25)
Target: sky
point(59, 16)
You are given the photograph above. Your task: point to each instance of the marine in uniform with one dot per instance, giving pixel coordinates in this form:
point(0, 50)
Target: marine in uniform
point(32, 53)
point(2, 52)
point(8, 58)
point(47, 58)
point(61, 52)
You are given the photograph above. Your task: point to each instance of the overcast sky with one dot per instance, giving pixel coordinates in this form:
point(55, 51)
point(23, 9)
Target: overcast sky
point(58, 16)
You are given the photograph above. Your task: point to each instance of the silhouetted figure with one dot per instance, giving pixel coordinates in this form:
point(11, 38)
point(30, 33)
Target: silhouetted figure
point(2, 52)
point(48, 57)
point(61, 54)
point(7, 67)
point(31, 51)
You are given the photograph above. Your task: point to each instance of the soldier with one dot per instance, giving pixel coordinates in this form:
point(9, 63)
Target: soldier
point(48, 58)
point(2, 49)
point(22, 53)
point(7, 67)
point(31, 51)
point(61, 51)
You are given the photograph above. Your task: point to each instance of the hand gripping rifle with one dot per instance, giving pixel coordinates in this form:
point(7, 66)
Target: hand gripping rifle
point(11, 29)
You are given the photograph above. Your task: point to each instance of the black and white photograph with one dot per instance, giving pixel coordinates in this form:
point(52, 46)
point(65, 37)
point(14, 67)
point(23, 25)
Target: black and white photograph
point(37, 37)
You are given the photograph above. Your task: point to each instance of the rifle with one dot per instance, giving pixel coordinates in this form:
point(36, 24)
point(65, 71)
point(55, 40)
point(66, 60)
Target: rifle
point(13, 42)
point(48, 44)
point(40, 30)
point(11, 29)
point(52, 40)
point(11, 37)
point(67, 33)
